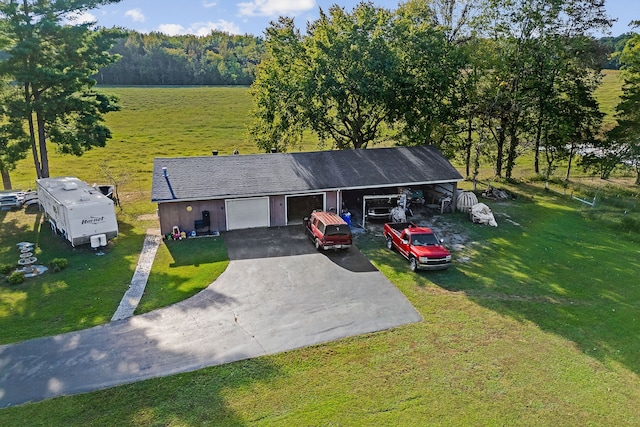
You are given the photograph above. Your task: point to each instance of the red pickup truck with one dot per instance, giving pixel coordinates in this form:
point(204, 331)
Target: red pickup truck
point(328, 231)
point(418, 244)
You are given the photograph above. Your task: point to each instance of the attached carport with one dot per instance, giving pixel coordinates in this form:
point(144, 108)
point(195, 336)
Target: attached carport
point(299, 206)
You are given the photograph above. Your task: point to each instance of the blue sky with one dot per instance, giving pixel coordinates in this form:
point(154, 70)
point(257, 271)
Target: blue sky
point(253, 16)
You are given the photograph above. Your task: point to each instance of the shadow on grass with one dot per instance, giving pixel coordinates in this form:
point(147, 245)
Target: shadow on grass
point(565, 274)
point(121, 353)
point(196, 251)
point(85, 294)
point(546, 264)
point(183, 399)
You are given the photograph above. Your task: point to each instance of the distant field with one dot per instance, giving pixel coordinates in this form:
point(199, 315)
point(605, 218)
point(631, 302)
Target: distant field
point(534, 324)
point(608, 94)
point(186, 121)
point(158, 122)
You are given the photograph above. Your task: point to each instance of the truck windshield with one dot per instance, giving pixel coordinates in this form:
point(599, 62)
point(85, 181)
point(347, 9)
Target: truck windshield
point(337, 230)
point(424, 240)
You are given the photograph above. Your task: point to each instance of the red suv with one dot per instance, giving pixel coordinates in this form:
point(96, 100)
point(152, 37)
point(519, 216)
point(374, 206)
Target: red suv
point(328, 230)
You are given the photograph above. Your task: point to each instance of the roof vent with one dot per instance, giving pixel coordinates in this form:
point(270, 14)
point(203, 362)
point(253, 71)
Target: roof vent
point(70, 186)
point(166, 177)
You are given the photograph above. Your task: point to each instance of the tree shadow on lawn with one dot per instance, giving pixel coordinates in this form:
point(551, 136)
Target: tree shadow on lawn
point(120, 353)
point(17, 226)
point(184, 399)
point(84, 294)
point(191, 397)
point(553, 268)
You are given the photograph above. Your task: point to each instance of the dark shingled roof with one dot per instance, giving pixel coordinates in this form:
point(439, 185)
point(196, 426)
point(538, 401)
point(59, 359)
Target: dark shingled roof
point(218, 177)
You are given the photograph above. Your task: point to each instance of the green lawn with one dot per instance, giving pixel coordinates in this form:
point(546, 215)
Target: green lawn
point(608, 94)
point(88, 292)
point(535, 324)
point(158, 122)
point(537, 327)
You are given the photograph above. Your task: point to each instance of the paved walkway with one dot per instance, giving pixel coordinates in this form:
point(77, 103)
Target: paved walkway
point(132, 297)
point(258, 306)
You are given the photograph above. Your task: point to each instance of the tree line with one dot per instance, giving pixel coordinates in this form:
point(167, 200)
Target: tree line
point(482, 80)
point(158, 59)
point(219, 59)
point(50, 65)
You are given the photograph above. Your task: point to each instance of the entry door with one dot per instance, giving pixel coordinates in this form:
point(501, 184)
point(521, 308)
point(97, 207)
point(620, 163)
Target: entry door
point(247, 213)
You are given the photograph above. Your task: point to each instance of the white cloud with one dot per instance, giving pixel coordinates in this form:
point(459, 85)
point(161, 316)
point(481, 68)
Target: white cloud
point(200, 28)
point(172, 29)
point(221, 25)
point(136, 15)
point(81, 18)
point(275, 7)
point(209, 4)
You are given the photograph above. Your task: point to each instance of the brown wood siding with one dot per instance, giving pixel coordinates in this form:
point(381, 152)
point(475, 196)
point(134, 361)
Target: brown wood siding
point(172, 214)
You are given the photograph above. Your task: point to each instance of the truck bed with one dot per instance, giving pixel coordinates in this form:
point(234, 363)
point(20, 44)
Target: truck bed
point(399, 226)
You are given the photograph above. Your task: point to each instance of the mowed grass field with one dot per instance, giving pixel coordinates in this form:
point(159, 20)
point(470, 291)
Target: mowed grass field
point(608, 94)
point(536, 323)
point(158, 122)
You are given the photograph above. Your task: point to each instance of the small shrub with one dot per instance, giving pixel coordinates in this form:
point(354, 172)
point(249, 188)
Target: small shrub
point(16, 278)
point(5, 268)
point(630, 225)
point(58, 264)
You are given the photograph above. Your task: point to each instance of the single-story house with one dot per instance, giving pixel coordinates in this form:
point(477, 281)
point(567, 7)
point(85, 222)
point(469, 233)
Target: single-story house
point(221, 193)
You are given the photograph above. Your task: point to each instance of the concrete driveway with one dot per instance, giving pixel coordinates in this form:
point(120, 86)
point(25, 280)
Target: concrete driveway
point(277, 294)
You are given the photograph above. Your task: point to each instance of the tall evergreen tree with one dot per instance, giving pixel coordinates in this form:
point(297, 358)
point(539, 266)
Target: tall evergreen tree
point(13, 140)
point(52, 59)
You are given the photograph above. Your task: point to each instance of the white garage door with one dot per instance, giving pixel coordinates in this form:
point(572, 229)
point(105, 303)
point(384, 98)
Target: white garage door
point(247, 213)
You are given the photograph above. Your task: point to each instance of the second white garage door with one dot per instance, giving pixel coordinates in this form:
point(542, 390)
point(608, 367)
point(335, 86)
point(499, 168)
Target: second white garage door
point(247, 213)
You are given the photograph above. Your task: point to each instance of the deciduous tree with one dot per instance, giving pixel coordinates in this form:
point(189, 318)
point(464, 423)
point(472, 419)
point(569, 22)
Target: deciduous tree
point(357, 77)
point(433, 73)
point(625, 137)
point(544, 48)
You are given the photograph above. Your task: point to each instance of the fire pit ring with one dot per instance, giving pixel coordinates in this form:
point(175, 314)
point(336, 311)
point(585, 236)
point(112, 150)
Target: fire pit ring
point(27, 261)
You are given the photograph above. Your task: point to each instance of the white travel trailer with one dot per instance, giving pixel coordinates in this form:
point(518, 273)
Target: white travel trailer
point(81, 213)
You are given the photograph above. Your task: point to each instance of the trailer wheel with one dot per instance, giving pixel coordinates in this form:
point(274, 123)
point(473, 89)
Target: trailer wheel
point(413, 264)
point(389, 243)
